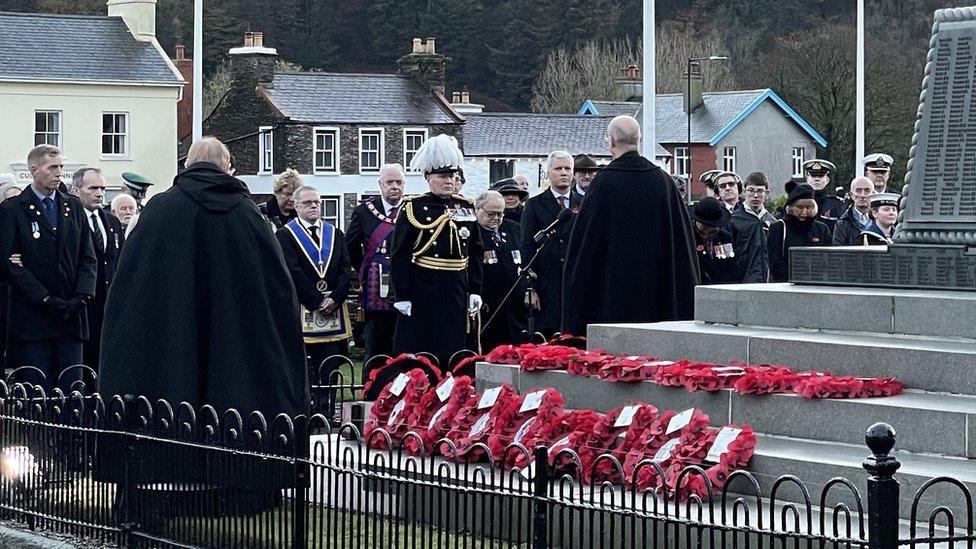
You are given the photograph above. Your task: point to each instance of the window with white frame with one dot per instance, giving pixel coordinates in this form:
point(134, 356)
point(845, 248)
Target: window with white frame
point(115, 134)
point(681, 164)
point(413, 138)
point(798, 159)
point(330, 210)
point(370, 149)
point(325, 150)
point(47, 128)
point(265, 149)
point(728, 159)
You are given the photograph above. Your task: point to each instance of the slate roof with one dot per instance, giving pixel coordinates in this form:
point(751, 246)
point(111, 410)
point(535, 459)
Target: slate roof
point(709, 123)
point(329, 97)
point(37, 46)
point(535, 135)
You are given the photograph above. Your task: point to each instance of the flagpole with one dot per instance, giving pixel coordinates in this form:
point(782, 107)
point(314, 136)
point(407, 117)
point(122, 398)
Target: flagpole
point(859, 94)
point(197, 69)
point(649, 85)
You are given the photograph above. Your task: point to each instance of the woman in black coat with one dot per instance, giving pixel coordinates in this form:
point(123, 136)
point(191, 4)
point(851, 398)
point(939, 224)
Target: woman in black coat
point(799, 227)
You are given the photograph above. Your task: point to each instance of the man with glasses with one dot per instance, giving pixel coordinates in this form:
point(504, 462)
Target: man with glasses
point(848, 228)
point(750, 224)
point(728, 188)
point(584, 168)
point(369, 236)
point(318, 261)
point(502, 261)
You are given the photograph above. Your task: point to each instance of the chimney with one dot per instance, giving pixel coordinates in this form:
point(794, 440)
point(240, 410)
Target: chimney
point(424, 64)
point(629, 86)
point(253, 63)
point(461, 102)
point(696, 88)
point(139, 16)
point(184, 108)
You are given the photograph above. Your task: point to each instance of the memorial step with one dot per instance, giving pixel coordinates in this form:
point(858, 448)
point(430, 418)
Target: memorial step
point(943, 314)
point(931, 423)
point(924, 363)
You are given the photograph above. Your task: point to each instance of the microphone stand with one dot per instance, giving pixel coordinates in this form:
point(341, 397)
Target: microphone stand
point(531, 277)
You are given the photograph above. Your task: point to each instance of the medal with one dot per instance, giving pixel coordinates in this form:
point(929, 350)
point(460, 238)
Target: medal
point(517, 257)
point(464, 232)
point(35, 229)
point(321, 286)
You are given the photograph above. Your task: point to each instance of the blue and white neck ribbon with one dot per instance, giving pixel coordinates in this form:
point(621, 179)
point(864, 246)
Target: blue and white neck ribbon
point(319, 255)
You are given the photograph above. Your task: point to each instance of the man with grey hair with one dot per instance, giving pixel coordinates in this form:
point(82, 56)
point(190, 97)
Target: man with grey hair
point(847, 230)
point(124, 207)
point(369, 239)
point(53, 280)
point(501, 237)
point(88, 184)
point(632, 252)
point(541, 215)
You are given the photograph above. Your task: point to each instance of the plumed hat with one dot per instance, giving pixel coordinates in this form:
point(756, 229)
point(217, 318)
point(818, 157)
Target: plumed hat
point(439, 154)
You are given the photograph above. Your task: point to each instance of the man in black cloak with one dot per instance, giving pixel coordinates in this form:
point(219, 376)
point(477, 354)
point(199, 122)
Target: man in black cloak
point(202, 310)
point(631, 253)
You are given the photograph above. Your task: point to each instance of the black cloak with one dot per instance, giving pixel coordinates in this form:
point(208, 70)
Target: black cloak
point(202, 308)
point(631, 255)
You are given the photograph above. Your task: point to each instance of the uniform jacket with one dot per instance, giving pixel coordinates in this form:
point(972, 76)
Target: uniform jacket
point(829, 208)
point(59, 263)
point(847, 229)
point(718, 259)
point(787, 233)
point(872, 235)
point(540, 211)
point(366, 219)
point(502, 262)
point(108, 259)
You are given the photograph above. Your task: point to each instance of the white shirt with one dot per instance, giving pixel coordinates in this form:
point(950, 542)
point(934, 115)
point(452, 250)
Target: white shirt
point(95, 223)
point(307, 225)
point(580, 190)
point(557, 195)
point(389, 207)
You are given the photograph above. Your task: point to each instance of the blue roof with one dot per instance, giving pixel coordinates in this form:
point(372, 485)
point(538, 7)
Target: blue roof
point(722, 112)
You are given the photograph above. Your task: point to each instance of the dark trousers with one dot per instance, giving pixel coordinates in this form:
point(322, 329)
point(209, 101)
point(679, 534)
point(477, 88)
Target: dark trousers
point(51, 356)
point(324, 384)
point(378, 329)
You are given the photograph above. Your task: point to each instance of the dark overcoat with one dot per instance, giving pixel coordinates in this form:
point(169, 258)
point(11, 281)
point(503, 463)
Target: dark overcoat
point(631, 255)
point(108, 259)
point(787, 233)
point(502, 260)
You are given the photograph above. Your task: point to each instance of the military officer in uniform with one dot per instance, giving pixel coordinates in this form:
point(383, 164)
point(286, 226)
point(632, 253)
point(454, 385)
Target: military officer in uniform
point(818, 178)
point(877, 168)
point(135, 186)
point(884, 214)
point(514, 197)
point(714, 243)
point(502, 263)
point(542, 211)
point(436, 261)
point(370, 236)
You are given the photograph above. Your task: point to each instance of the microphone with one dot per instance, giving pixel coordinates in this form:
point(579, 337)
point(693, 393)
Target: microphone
point(563, 216)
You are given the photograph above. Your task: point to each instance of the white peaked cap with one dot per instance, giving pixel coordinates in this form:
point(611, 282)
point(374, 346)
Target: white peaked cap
point(438, 154)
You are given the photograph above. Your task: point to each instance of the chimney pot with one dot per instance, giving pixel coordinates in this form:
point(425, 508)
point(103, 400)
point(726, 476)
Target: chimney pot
point(248, 39)
point(418, 46)
point(465, 97)
point(455, 97)
point(180, 52)
point(259, 39)
point(431, 45)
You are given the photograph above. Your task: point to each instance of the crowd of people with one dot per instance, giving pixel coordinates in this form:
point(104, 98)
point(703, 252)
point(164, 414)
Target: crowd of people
point(215, 296)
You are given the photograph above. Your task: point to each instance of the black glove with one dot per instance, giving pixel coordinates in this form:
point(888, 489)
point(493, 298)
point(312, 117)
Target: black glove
point(73, 306)
point(56, 305)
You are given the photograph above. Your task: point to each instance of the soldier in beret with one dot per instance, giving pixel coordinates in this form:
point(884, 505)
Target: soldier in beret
point(799, 227)
point(436, 259)
point(877, 168)
point(818, 178)
point(514, 196)
point(884, 214)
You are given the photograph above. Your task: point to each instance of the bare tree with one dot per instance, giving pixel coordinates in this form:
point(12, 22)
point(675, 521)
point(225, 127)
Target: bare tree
point(570, 77)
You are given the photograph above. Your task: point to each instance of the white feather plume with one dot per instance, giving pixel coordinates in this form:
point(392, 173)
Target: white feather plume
point(440, 151)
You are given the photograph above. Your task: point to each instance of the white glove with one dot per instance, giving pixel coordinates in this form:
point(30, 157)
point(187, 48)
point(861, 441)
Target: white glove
point(404, 307)
point(474, 304)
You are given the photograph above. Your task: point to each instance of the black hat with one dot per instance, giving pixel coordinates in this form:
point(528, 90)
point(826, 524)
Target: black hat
point(801, 192)
point(816, 166)
point(708, 211)
point(509, 186)
point(878, 162)
point(789, 186)
point(584, 163)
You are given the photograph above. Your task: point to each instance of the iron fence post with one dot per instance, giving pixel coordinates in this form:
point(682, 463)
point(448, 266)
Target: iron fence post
point(882, 487)
point(540, 505)
point(299, 523)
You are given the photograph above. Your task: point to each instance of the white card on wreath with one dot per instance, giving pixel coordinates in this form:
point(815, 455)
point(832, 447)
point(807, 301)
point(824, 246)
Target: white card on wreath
point(626, 416)
point(532, 401)
point(479, 426)
point(396, 411)
point(679, 421)
point(721, 444)
point(444, 391)
point(437, 416)
point(489, 398)
point(664, 452)
point(399, 384)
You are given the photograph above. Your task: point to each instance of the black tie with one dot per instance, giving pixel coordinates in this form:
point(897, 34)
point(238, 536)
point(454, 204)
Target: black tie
point(315, 234)
point(97, 233)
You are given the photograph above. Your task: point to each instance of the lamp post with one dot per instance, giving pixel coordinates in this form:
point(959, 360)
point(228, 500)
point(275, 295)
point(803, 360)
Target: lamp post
point(691, 62)
point(197, 70)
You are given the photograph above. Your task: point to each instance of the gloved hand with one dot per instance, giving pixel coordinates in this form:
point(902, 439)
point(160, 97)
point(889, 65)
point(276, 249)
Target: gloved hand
point(474, 304)
point(73, 306)
point(55, 305)
point(404, 307)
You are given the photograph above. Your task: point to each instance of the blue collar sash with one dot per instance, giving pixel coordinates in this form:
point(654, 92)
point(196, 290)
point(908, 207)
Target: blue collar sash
point(319, 255)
